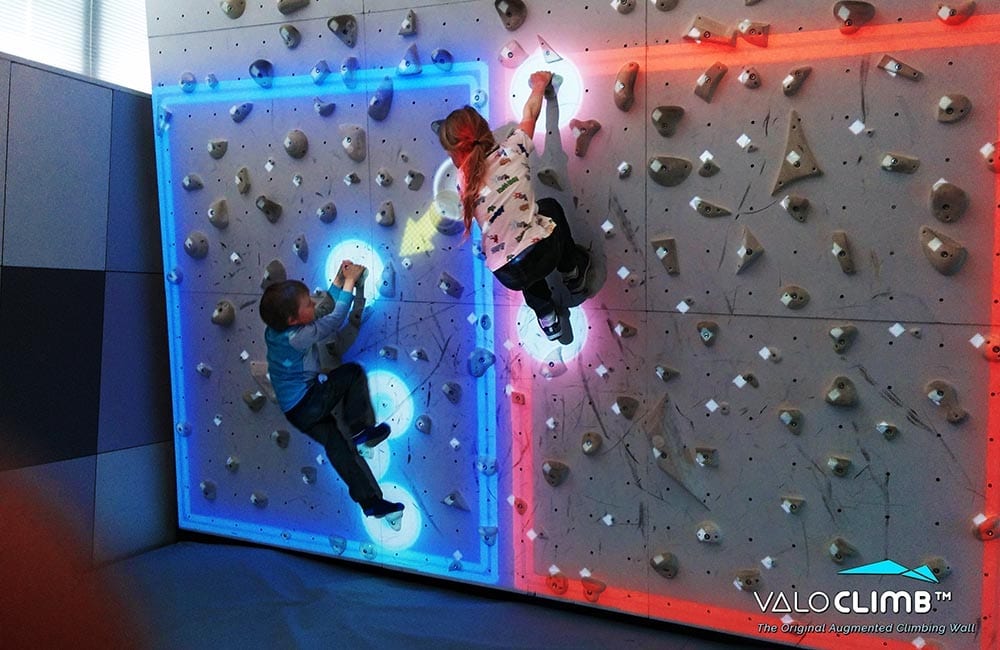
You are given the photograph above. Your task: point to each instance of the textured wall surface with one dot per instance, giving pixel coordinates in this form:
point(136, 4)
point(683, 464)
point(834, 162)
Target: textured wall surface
point(784, 359)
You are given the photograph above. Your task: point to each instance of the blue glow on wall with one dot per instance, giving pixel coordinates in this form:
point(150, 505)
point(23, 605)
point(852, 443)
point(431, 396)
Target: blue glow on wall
point(234, 477)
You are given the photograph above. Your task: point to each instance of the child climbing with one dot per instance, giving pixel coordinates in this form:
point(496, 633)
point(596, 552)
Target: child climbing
point(523, 241)
point(307, 394)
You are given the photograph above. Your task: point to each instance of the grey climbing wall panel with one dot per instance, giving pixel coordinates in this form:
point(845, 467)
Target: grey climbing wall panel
point(783, 369)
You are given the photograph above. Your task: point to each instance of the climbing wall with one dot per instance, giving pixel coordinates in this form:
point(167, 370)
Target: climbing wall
point(773, 416)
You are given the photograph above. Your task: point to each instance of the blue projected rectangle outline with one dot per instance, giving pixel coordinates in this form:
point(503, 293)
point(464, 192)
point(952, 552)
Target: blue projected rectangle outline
point(167, 99)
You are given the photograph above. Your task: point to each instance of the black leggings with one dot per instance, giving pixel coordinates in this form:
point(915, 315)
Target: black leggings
point(527, 272)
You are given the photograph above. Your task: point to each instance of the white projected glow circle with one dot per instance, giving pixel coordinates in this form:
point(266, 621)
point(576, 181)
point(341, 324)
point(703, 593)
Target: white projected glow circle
point(392, 401)
point(359, 252)
point(570, 93)
point(410, 525)
point(538, 346)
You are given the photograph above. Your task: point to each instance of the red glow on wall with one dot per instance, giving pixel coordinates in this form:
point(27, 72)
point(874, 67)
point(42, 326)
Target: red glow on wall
point(797, 48)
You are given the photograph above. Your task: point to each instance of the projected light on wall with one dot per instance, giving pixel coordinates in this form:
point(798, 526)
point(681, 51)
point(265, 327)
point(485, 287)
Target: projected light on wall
point(538, 346)
point(359, 252)
point(570, 91)
point(410, 526)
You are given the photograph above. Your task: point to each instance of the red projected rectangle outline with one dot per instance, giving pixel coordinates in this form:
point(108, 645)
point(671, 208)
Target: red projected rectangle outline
point(800, 48)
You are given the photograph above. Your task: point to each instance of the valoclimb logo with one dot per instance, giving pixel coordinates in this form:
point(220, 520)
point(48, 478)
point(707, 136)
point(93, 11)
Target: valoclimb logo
point(857, 602)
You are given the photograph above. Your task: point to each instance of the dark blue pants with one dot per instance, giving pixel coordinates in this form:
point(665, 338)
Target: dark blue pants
point(527, 272)
point(346, 385)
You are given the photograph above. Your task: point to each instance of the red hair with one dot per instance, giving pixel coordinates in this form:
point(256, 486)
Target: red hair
point(467, 138)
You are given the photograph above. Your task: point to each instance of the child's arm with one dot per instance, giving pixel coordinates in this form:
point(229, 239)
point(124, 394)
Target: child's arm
point(538, 81)
point(322, 328)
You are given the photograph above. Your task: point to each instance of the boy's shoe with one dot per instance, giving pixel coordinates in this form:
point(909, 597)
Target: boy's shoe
point(371, 436)
point(381, 508)
point(577, 285)
point(550, 326)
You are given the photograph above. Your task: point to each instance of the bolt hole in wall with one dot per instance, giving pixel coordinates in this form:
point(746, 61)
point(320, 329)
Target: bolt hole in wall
point(612, 379)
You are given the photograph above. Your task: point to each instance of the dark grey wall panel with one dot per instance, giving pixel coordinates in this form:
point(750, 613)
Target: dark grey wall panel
point(133, 215)
point(135, 378)
point(50, 364)
point(57, 185)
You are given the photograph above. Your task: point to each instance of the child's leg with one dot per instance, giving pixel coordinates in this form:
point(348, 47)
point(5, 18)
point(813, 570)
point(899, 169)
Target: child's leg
point(570, 256)
point(346, 461)
point(352, 384)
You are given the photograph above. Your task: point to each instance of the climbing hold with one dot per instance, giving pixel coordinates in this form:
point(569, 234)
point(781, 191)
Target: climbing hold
point(386, 214)
point(888, 431)
point(452, 391)
point(945, 396)
point(747, 579)
point(414, 180)
point(301, 248)
point(986, 528)
point(555, 472)
point(665, 5)
point(354, 142)
point(666, 252)
point(368, 551)
point(486, 465)
point(212, 80)
point(625, 86)
point(843, 337)
point(625, 406)
point(841, 392)
point(592, 589)
point(455, 499)
point(749, 251)
point(624, 330)
point(224, 314)
point(512, 13)
point(548, 52)
point(442, 58)
point(704, 29)
point(584, 132)
point(423, 424)
point(944, 253)
point(309, 475)
point(217, 148)
point(322, 108)
point(270, 209)
point(895, 162)
point(753, 32)
point(512, 55)
point(410, 65)
point(479, 98)
point(794, 296)
point(239, 112)
point(749, 77)
point(838, 465)
point(208, 489)
point(794, 79)
point(552, 365)
point(273, 272)
point(665, 564)
point(550, 177)
point(383, 178)
point(192, 182)
point(409, 25)
point(708, 331)
point(345, 27)
point(320, 71)
point(842, 251)
point(668, 171)
point(708, 166)
point(262, 71)
point(706, 457)
point(218, 214)
point(204, 370)
point(798, 161)
point(852, 14)
point(188, 82)
point(791, 418)
point(290, 35)
point(896, 68)
point(792, 505)
point(488, 534)
point(665, 373)
point(797, 207)
point(708, 209)
point(254, 399)
point(591, 443)
point(327, 212)
point(480, 360)
point(839, 550)
point(953, 107)
point(708, 82)
point(348, 71)
point(449, 285)
point(708, 532)
point(557, 582)
point(233, 8)
point(949, 14)
point(381, 101)
point(196, 245)
point(666, 118)
point(388, 352)
point(296, 143)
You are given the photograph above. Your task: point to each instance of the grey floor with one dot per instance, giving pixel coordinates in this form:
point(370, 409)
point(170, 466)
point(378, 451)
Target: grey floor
point(208, 594)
